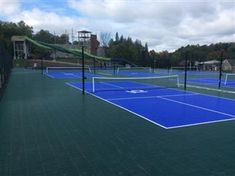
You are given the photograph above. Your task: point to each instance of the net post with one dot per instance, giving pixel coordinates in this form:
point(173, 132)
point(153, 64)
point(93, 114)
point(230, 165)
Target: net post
point(178, 81)
point(226, 79)
point(118, 70)
point(93, 84)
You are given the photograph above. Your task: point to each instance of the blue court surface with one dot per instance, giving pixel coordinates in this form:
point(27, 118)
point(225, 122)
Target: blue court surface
point(165, 107)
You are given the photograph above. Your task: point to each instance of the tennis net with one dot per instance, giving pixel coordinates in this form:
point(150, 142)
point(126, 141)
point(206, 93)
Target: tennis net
point(66, 69)
point(145, 69)
point(182, 69)
point(134, 83)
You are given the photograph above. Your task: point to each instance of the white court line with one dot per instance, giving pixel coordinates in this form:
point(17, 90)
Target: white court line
point(198, 107)
point(204, 83)
point(149, 97)
point(69, 74)
point(113, 85)
point(231, 86)
point(163, 97)
point(124, 88)
point(50, 76)
point(174, 127)
point(106, 74)
point(212, 89)
point(131, 98)
point(201, 123)
point(199, 87)
point(119, 106)
point(176, 95)
point(204, 93)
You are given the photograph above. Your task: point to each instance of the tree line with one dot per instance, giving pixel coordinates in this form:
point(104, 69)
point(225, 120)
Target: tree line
point(126, 48)
point(120, 47)
point(138, 54)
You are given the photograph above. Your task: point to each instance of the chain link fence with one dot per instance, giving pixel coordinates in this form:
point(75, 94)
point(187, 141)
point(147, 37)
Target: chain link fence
point(6, 60)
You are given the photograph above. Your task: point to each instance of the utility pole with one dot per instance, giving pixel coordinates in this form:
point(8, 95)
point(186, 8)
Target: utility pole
point(220, 67)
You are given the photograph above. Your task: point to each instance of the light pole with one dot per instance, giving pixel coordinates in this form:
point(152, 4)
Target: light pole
point(83, 38)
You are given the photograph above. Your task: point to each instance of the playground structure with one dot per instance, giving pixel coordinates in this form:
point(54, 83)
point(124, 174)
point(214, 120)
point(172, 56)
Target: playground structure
point(22, 45)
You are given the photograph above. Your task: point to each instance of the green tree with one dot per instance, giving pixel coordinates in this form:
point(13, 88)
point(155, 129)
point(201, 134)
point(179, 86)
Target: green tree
point(44, 36)
point(62, 39)
point(116, 37)
point(8, 29)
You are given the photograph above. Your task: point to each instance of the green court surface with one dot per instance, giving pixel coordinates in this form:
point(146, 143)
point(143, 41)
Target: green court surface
point(50, 129)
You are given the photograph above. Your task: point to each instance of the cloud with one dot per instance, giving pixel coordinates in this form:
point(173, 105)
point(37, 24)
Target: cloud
point(47, 20)
point(125, 11)
point(168, 24)
point(128, 11)
point(8, 7)
point(164, 25)
point(223, 23)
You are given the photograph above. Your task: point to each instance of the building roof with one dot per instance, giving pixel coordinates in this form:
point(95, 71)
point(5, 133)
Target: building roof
point(210, 62)
point(18, 38)
point(84, 31)
point(231, 61)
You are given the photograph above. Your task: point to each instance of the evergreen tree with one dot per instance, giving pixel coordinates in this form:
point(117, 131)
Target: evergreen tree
point(116, 37)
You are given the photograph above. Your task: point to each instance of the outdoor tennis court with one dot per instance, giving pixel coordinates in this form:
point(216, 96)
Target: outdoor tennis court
point(166, 107)
point(117, 88)
point(119, 128)
point(159, 101)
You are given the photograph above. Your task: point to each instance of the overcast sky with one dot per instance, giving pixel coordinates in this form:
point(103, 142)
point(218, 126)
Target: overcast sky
point(163, 24)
